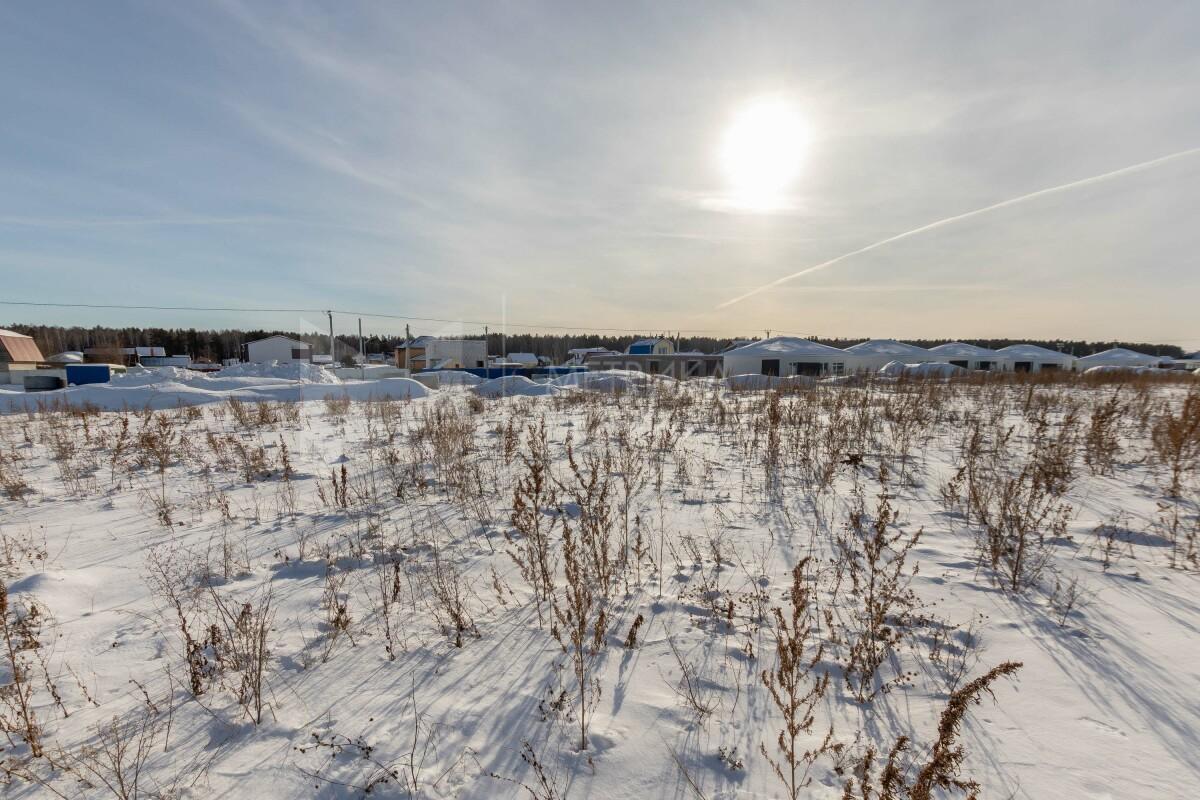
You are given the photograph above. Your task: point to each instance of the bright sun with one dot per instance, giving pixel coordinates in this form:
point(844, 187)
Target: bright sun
point(762, 152)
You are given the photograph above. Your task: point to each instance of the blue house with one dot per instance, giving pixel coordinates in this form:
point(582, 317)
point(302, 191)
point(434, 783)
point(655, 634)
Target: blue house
point(651, 347)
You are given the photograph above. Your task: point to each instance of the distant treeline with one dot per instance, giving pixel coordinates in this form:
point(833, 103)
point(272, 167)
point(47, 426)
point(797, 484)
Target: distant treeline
point(219, 344)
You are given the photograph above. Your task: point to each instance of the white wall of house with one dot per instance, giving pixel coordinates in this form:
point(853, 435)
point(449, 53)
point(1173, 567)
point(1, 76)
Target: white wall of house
point(456, 353)
point(790, 356)
point(277, 348)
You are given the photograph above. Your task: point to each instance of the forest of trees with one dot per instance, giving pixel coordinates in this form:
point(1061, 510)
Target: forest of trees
point(219, 344)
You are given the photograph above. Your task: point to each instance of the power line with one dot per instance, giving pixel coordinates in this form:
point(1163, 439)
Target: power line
point(407, 318)
point(373, 315)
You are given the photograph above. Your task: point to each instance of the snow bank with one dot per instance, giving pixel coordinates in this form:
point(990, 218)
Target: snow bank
point(931, 369)
point(513, 386)
point(168, 388)
point(454, 377)
point(1112, 369)
point(760, 383)
point(301, 371)
point(611, 381)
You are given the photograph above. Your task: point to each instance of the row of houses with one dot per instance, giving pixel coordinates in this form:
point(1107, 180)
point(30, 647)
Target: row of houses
point(778, 356)
point(786, 355)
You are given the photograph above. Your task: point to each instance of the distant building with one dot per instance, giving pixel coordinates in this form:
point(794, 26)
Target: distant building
point(125, 356)
point(577, 355)
point(877, 353)
point(1118, 357)
point(651, 347)
point(431, 352)
point(1031, 358)
point(676, 365)
point(970, 356)
point(523, 359)
point(782, 356)
point(276, 348)
point(19, 356)
point(17, 348)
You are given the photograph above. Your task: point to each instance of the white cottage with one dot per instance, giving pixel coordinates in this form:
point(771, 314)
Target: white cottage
point(877, 353)
point(1117, 357)
point(969, 356)
point(1031, 358)
point(276, 348)
point(787, 355)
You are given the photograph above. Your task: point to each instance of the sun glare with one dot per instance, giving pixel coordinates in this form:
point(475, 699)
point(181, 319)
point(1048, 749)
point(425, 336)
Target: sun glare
point(762, 153)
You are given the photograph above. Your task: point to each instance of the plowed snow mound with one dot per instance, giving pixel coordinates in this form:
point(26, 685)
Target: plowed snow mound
point(513, 386)
point(760, 383)
point(454, 377)
point(291, 371)
point(611, 381)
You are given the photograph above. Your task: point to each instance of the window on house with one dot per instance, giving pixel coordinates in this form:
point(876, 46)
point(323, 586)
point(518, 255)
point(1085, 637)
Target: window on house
point(770, 366)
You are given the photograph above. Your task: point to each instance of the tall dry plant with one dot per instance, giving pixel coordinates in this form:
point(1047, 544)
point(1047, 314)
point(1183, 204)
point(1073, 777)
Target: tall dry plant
point(581, 625)
point(796, 687)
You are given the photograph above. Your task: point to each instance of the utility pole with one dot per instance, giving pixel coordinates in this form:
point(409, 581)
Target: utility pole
point(407, 357)
point(361, 352)
point(330, 313)
point(768, 333)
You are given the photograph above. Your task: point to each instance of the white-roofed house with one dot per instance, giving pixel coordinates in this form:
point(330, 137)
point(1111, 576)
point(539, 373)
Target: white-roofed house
point(1117, 357)
point(524, 359)
point(877, 353)
point(1031, 358)
point(578, 355)
point(651, 347)
point(19, 356)
point(276, 348)
point(970, 356)
point(788, 355)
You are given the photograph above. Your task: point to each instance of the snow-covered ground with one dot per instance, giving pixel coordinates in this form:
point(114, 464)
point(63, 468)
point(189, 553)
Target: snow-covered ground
point(405, 645)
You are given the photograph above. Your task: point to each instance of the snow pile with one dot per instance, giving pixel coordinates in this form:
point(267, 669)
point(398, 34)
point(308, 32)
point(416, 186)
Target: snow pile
point(170, 387)
point(385, 388)
point(455, 377)
point(1111, 369)
point(514, 386)
point(301, 371)
point(931, 369)
point(611, 381)
point(760, 383)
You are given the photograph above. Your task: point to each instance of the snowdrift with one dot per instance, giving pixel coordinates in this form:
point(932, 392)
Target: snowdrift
point(761, 383)
point(611, 381)
point(1113, 369)
point(930, 369)
point(514, 386)
point(454, 377)
point(171, 387)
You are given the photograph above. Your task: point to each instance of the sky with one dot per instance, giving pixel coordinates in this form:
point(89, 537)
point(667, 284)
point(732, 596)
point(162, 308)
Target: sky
point(567, 164)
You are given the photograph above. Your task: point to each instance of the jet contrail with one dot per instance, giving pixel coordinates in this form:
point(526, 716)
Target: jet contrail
point(950, 220)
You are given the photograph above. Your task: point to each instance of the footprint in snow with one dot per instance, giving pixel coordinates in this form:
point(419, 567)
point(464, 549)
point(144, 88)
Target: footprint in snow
point(1103, 727)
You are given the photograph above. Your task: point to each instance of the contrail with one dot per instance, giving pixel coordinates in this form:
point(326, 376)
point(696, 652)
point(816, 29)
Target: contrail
point(958, 217)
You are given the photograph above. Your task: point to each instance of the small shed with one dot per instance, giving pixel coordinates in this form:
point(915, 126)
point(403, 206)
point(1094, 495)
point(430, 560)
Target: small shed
point(1031, 358)
point(970, 356)
point(651, 347)
point(523, 359)
point(788, 355)
point(431, 352)
point(276, 348)
point(19, 356)
point(877, 353)
point(1117, 357)
point(17, 348)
